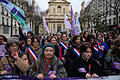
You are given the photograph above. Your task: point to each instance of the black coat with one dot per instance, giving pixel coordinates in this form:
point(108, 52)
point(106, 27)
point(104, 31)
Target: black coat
point(80, 63)
point(111, 65)
point(70, 56)
point(56, 51)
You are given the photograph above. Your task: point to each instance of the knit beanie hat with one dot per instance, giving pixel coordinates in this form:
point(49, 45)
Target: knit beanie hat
point(48, 45)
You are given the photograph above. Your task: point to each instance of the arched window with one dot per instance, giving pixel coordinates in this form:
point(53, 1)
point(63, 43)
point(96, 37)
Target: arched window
point(59, 9)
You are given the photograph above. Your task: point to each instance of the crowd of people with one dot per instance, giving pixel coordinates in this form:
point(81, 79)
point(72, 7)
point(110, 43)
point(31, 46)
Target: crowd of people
point(58, 56)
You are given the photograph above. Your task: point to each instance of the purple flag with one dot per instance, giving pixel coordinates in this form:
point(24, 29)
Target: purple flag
point(45, 25)
point(4, 1)
point(16, 12)
point(73, 23)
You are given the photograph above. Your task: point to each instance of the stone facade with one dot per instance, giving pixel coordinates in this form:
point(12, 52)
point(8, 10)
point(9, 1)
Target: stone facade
point(55, 17)
point(8, 25)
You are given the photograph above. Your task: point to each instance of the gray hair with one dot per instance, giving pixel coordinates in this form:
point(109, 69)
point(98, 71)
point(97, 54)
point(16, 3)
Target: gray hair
point(12, 40)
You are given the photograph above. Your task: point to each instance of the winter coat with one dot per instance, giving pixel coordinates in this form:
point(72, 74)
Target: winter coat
point(54, 65)
point(70, 56)
point(18, 66)
point(112, 65)
point(80, 67)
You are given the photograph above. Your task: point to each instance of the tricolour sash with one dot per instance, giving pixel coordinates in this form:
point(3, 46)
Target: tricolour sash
point(76, 51)
point(32, 53)
point(98, 44)
point(63, 45)
point(95, 48)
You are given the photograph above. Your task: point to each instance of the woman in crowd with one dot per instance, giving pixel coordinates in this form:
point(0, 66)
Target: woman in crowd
point(49, 38)
point(48, 65)
point(112, 62)
point(64, 42)
point(101, 49)
point(73, 52)
point(91, 39)
point(3, 41)
point(54, 42)
point(14, 61)
point(85, 34)
point(84, 66)
point(33, 50)
point(92, 42)
point(58, 37)
point(44, 41)
point(109, 41)
point(28, 43)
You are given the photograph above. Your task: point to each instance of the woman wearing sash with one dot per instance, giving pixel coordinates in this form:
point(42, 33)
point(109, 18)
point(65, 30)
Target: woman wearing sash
point(84, 66)
point(73, 52)
point(102, 48)
point(101, 51)
point(64, 45)
point(48, 65)
point(33, 51)
point(14, 61)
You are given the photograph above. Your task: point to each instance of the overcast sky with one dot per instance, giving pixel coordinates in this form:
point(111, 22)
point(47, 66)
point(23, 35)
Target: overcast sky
point(76, 4)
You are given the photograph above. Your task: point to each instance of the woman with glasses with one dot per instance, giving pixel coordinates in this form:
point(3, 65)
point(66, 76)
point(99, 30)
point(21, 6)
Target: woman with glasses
point(14, 61)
